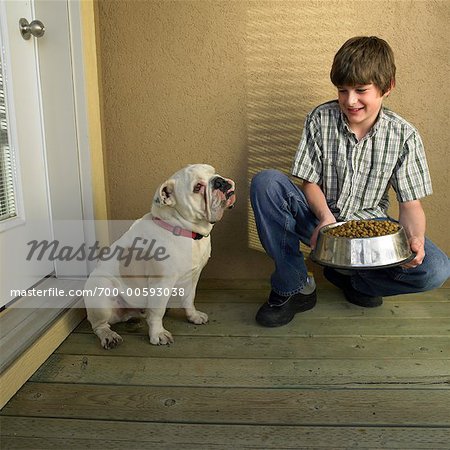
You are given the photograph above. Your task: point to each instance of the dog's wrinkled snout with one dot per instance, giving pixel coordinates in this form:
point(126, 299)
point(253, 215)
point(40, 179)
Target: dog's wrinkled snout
point(221, 184)
point(226, 187)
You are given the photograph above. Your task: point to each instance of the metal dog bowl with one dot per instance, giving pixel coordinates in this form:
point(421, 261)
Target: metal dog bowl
point(361, 253)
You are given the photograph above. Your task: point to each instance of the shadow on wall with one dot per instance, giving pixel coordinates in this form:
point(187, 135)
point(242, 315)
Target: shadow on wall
point(287, 76)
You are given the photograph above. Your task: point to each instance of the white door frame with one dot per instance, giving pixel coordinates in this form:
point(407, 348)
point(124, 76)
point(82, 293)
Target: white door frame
point(69, 172)
point(82, 123)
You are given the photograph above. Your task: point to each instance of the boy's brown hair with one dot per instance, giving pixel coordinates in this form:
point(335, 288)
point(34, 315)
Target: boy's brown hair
point(364, 60)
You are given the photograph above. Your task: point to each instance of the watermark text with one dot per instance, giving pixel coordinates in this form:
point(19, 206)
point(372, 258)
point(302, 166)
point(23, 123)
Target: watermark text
point(140, 250)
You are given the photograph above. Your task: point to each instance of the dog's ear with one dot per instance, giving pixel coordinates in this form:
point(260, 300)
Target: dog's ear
point(165, 194)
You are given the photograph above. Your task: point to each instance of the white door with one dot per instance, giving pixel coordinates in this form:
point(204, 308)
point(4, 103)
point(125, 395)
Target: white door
point(37, 75)
point(31, 220)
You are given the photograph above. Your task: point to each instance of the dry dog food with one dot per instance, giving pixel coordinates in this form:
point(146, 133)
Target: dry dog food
point(363, 228)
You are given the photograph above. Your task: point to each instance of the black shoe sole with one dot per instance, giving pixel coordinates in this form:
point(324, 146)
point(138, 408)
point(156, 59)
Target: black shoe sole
point(274, 316)
point(351, 294)
point(356, 299)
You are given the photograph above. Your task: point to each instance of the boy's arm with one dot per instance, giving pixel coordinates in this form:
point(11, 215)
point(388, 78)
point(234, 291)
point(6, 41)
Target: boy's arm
point(318, 204)
point(412, 218)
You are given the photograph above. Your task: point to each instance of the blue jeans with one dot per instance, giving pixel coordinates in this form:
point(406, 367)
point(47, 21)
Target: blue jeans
point(284, 219)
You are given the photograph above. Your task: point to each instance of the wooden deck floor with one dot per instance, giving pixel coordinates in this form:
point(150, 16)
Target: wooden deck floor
point(338, 376)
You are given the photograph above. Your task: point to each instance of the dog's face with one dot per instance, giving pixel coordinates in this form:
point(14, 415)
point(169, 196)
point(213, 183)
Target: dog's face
point(197, 193)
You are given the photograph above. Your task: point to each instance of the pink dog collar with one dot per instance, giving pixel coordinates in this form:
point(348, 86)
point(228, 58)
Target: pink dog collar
point(177, 230)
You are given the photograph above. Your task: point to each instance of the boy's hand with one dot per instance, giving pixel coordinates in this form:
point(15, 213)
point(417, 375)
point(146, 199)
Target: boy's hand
point(413, 220)
point(322, 223)
point(417, 246)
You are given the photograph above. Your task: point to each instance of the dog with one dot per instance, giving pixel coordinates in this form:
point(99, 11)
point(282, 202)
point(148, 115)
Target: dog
point(160, 258)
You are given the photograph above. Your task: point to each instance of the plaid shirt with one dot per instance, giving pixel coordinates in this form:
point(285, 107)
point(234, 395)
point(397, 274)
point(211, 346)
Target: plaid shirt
point(355, 176)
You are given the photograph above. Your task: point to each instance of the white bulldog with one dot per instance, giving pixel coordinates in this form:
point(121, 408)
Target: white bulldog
point(160, 258)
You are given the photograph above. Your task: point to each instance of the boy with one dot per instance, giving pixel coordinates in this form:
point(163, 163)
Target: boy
point(352, 150)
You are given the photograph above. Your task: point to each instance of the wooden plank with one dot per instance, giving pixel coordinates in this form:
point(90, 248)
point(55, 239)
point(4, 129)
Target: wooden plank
point(16, 374)
point(325, 295)
point(235, 283)
point(238, 320)
point(261, 283)
point(47, 443)
point(217, 372)
point(357, 407)
point(23, 433)
point(344, 309)
point(327, 310)
point(250, 347)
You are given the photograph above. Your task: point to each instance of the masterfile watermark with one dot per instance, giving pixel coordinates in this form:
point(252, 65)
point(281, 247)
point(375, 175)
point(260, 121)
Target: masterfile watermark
point(147, 292)
point(141, 249)
point(136, 270)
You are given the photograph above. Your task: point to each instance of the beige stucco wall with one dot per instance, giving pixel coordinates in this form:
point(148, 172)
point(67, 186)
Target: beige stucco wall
point(229, 83)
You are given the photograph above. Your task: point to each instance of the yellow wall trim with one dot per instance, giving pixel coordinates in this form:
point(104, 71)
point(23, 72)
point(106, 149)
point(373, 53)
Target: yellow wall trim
point(94, 113)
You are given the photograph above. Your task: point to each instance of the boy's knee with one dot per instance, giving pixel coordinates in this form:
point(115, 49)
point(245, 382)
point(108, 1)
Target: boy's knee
point(436, 275)
point(266, 176)
point(441, 275)
point(264, 179)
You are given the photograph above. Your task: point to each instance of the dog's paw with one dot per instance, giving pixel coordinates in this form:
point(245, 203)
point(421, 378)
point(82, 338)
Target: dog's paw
point(198, 317)
point(164, 337)
point(111, 340)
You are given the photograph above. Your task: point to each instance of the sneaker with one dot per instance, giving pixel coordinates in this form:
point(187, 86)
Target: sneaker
point(280, 310)
point(351, 294)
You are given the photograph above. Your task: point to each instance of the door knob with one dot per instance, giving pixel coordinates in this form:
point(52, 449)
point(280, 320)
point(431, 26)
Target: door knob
point(35, 28)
